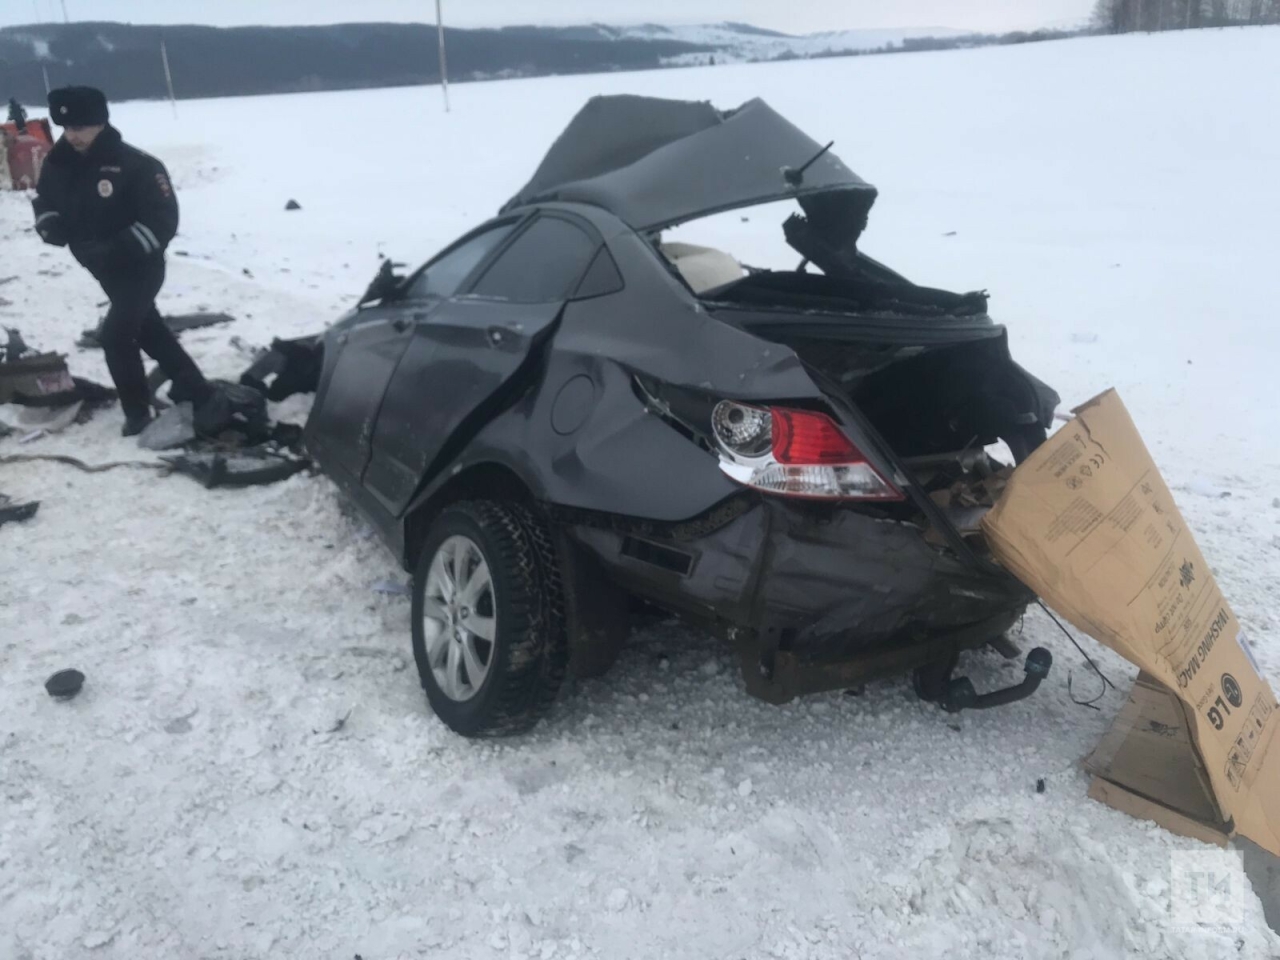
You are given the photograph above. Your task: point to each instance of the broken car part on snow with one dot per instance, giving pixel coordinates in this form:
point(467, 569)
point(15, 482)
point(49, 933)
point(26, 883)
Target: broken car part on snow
point(92, 339)
point(64, 684)
point(11, 512)
point(229, 440)
point(561, 414)
point(49, 398)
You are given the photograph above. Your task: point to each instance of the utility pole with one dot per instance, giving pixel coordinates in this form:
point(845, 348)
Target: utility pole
point(65, 18)
point(168, 77)
point(444, 73)
point(45, 70)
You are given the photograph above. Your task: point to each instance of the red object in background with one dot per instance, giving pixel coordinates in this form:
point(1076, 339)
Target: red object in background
point(24, 154)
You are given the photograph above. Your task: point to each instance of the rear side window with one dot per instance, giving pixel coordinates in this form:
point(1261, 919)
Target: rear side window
point(602, 277)
point(543, 265)
point(446, 275)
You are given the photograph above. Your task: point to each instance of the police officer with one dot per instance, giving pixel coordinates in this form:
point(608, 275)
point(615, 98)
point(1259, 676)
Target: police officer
point(114, 206)
point(17, 116)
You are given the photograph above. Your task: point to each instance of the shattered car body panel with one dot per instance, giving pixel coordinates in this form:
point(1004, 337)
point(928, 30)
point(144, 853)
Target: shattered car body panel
point(658, 163)
point(555, 356)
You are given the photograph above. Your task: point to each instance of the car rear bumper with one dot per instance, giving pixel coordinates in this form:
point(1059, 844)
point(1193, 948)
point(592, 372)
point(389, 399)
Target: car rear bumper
point(810, 588)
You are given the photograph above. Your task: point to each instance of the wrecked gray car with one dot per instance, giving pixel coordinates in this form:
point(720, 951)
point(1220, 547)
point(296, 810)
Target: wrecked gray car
point(561, 416)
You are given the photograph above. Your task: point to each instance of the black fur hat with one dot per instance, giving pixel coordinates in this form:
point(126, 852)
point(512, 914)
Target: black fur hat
point(78, 107)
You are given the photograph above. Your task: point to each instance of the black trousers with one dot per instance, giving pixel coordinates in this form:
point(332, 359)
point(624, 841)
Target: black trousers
point(133, 323)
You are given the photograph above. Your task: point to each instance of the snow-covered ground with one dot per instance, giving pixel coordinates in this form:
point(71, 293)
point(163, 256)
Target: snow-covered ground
point(200, 799)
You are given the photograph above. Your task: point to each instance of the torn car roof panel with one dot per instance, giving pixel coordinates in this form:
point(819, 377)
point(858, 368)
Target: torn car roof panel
point(657, 163)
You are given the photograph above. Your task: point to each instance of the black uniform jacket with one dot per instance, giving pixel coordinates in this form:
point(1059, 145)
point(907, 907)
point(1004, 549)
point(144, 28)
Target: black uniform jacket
point(113, 205)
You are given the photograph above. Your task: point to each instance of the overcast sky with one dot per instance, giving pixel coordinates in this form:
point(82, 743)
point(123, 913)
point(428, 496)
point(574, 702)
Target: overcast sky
point(790, 16)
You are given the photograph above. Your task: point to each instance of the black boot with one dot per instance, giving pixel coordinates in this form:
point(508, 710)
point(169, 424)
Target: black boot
point(135, 425)
point(191, 388)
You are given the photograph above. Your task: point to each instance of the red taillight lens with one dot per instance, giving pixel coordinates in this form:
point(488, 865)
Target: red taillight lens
point(796, 453)
point(801, 436)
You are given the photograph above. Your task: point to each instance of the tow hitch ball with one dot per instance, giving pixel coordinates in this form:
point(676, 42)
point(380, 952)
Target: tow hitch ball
point(959, 693)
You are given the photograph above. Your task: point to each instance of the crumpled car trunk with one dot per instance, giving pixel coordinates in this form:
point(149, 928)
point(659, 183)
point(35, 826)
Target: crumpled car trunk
point(927, 369)
point(933, 399)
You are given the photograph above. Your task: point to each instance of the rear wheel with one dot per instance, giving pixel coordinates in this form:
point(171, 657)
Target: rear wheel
point(488, 618)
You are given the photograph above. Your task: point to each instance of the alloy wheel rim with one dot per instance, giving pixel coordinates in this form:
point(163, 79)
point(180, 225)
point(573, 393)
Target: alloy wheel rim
point(459, 618)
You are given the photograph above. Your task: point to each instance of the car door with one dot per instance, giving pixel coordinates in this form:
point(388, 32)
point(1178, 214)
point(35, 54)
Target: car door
point(371, 346)
point(367, 353)
point(463, 351)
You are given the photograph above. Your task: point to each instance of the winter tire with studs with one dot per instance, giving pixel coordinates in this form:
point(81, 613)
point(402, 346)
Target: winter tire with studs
point(488, 618)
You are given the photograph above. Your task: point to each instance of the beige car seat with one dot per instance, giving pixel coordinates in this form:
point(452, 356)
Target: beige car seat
point(703, 268)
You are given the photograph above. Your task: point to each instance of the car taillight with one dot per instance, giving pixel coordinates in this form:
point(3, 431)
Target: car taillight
point(745, 431)
point(799, 453)
point(800, 436)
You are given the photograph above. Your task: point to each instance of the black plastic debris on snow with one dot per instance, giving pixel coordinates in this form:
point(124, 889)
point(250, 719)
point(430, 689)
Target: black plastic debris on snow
point(24, 371)
point(229, 440)
point(293, 205)
point(64, 684)
point(247, 468)
point(236, 410)
point(233, 414)
point(287, 368)
point(41, 383)
point(11, 512)
point(178, 323)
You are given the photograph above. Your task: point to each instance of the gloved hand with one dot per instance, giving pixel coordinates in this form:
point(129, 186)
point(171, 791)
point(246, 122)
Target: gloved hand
point(94, 255)
point(126, 248)
point(52, 231)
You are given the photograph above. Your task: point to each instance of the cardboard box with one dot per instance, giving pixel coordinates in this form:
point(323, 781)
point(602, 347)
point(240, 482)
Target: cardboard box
point(1089, 524)
point(1147, 766)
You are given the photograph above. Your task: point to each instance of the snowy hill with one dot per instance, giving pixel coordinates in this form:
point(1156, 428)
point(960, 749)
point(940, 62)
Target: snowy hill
point(252, 772)
point(209, 62)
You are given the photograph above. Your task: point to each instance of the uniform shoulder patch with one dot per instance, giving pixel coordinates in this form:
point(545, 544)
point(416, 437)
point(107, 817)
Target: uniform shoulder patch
point(162, 182)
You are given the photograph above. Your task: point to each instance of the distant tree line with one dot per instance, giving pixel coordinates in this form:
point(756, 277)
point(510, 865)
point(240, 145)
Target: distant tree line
point(958, 42)
point(1129, 16)
point(988, 39)
point(124, 59)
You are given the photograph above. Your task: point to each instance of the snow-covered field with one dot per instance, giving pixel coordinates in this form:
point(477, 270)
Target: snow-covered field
point(200, 799)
